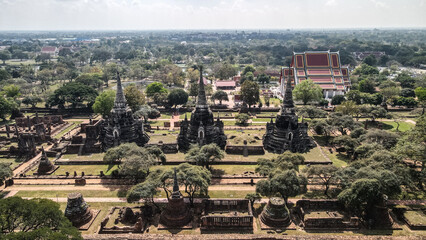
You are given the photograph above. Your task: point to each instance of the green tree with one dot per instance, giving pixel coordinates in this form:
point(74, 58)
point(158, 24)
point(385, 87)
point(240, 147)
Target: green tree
point(250, 93)
point(366, 69)
point(307, 91)
point(220, 95)
point(4, 56)
point(242, 119)
point(5, 107)
point(253, 197)
point(146, 191)
point(326, 173)
point(23, 219)
point(204, 155)
point(154, 88)
point(177, 96)
point(31, 100)
point(73, 93)
point(370, 60)
point(193, 75)
point(248, 68)
point(224, 70)
point(193, 89)
point(146, 112)
point(12, 91)
point(104, 103)
point(285, 183)
point(263, 78)
point(337, 100)
point(90, 79)
point(347, 142)
point(348, 108)
point(421, 97)
point(134, 97)
point(114, 155)
point(385, 138)
point(5, 172)
point(4, 75)
point(311, 112)
point(367, 86)
point(100, 55)
point(195, 179)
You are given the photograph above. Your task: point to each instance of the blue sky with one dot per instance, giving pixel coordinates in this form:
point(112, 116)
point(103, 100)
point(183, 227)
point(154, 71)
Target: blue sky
point(209, 14)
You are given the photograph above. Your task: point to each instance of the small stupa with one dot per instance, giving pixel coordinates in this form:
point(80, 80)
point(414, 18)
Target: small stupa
point(176, 213)
point(45, 166)
point(276, 213)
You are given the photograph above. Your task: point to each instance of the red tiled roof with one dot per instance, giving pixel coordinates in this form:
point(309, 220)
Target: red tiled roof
point(319, 72)
point(48, 49)
point(225, 84)
point(317, 59)
point(321, 79)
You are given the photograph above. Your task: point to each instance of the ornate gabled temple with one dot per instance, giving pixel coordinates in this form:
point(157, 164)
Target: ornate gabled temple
point(287, 133)
point(202, 128)
point(322, 67)
point(121, 126)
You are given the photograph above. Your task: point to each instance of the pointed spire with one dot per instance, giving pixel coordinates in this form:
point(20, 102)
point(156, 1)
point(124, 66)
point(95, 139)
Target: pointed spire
point(288, 95)
point(43, 153)
point(175, 182)
point(120, 101)
point(201, 99)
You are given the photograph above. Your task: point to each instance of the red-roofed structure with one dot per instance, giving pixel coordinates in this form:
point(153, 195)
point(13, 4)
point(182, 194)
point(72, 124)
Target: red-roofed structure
point(323, 68)
point(52, 51)
point(225, 85)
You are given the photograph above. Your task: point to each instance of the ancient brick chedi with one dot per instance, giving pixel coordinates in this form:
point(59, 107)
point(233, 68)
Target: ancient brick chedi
point(121, 126)
point(176, 214)
point(77, 210)
point(202, 128)
point(287, 133)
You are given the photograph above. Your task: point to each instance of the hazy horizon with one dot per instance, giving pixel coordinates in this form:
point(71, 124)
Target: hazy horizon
point(135, 15)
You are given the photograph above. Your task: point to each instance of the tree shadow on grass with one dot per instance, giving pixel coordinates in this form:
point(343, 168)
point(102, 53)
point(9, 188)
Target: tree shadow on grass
point(217, 172)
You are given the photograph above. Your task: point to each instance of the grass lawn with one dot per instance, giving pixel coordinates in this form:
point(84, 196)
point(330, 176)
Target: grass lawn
point(188, 115)
point(390, 125)
point(17, 62)
point(157, 123)
point(64, 194)
point(232, 169)
point(169, 138)
point(87, 169)
point(416, 217)
point(67, 129)
point(13, 162)
point(314, 155)
point(93, 156)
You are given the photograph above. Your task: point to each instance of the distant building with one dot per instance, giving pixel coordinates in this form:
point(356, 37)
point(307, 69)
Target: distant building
point(52, 51)
point(225, 85)
point(361, 55)
point(322, 67)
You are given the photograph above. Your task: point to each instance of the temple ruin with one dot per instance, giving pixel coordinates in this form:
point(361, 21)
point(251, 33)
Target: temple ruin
point(275, 213)
point(202, 129)
point(45, 167)
point(176, 214)
point(287, 133)
point(78, 211)
point(121, 126)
